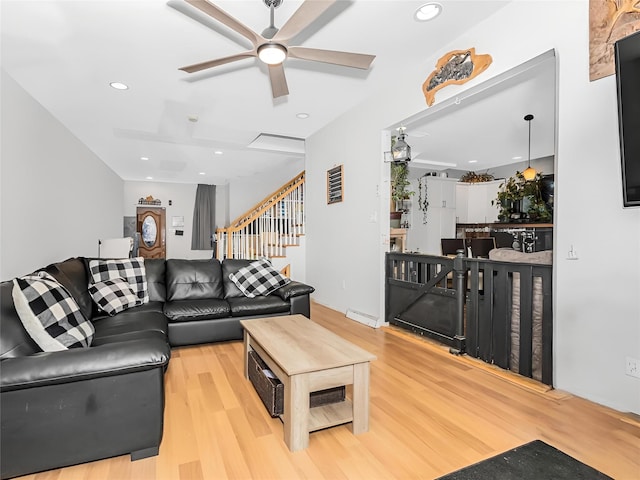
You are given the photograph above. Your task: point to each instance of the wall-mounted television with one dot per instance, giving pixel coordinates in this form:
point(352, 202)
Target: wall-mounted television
point(627, 55)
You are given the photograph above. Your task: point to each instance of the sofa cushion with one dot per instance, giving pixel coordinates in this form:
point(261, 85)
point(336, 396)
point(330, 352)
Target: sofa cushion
point(194, 279)
point(72, 275)
point(14, 339)
point(131, 269)
point(137, 319)
point(156, 307)
point(229, 266)
point(243, 306)
point(258, 278)
point(185, 310)
point(156, 284)
point(113, 296)
point(49, 314)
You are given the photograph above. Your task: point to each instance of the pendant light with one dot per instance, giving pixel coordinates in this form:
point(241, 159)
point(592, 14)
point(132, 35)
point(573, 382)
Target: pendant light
point(401, 151)
point(529, 173)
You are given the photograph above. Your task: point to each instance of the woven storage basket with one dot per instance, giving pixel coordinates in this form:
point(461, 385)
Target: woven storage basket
point(271, 390)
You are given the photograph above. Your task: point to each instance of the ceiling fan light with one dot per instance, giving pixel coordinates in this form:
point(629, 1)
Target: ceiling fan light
point(272, 53)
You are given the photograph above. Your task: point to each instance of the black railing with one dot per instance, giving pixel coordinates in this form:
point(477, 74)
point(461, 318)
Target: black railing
point(500, 312)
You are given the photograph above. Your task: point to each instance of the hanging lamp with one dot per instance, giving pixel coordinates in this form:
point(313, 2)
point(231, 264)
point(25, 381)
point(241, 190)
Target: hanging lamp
point(529, 173)
point(401, 151)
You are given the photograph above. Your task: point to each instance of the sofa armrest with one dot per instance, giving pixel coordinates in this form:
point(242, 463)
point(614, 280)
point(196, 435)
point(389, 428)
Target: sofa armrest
point(294, 289)
point(50, 368)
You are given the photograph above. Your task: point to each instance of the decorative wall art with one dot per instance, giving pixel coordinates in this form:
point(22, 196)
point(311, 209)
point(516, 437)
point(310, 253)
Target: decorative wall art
point(454, 68)
point(335, 187)
point(609, 21)
point(149, 200)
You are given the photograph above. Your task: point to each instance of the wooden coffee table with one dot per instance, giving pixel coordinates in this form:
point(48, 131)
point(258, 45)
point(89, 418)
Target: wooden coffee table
point(307, 357)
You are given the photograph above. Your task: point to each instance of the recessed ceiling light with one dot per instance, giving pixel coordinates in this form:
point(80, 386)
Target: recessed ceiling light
point(118, 86)
point(144, 158)
point(218, 152)
point(516, 158)
point(428, 11)
point(473, 161)
point(202, 173)
point(149, 178)
point(302, 115)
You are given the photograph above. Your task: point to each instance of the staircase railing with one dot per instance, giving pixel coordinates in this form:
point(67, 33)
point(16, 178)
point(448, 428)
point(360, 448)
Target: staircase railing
point(266, 229)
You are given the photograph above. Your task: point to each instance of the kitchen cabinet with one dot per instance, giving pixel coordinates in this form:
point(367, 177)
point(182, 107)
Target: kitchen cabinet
point(473, 202)
point(441, 216)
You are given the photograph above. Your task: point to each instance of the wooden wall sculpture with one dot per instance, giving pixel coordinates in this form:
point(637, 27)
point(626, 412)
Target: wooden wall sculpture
point(454, 68)
point(609, 21)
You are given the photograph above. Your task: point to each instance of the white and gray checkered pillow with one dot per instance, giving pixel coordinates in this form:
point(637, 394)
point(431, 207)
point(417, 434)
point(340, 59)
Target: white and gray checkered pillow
point(49, 314)
point(131, 269)
point(258, 278)
point(114, 296)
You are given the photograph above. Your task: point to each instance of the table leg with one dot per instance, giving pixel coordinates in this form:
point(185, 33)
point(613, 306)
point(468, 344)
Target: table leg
point(360, 398)
point(246, 354)
point(296, 412)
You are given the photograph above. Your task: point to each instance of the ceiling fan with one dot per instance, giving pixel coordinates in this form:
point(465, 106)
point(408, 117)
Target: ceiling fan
point(272, 46)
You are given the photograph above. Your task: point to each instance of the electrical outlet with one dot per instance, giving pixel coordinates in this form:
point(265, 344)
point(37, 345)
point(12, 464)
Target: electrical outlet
point(632, 367)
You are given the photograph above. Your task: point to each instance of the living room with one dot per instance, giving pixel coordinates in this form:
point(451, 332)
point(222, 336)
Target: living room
point(58, 197)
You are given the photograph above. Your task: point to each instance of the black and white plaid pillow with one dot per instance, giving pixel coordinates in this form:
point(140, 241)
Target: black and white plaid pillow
point(114, 296)
point(49, 314)
point(258, 278)
point(131, 269)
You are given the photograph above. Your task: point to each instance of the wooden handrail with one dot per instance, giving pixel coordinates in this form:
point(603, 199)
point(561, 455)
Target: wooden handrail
point(268, 200)
point(255, 213)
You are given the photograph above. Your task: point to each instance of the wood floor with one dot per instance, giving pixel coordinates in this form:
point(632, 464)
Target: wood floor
point(431, 413)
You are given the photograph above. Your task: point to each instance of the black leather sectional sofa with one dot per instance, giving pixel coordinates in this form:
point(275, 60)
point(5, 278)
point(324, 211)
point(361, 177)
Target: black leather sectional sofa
point(83, 404)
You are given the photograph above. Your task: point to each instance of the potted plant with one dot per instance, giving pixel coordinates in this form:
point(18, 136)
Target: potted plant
point(521, 199)
point(399, 190)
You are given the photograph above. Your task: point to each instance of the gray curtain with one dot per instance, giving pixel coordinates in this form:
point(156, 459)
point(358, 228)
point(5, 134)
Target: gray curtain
point(204, 218)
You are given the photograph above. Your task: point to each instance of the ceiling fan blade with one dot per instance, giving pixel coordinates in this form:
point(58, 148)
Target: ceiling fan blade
point(347, 59)
point(306, 14)
point(223, 17)
point(278, 81)
point(219, 61)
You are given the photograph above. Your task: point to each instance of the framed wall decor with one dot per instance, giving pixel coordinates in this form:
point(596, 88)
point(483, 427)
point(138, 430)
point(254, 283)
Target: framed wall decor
point(454, 68)
point(335, 185)
point(609, 21)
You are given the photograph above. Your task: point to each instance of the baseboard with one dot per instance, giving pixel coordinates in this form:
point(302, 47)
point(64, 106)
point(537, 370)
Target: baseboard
point(362, 317)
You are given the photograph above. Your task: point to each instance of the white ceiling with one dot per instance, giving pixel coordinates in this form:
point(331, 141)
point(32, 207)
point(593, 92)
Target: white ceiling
point(65, 53)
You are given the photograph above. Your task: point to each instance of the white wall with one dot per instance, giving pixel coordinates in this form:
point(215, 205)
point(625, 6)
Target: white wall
point(57, 197)
point(245, 192)
point(596, 311)
point(182, 196)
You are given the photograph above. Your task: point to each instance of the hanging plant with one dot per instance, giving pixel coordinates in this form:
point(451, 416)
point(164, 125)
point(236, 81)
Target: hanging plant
point(423, 203)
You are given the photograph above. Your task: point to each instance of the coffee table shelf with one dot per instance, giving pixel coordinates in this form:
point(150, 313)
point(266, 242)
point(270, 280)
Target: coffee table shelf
point(330, 415)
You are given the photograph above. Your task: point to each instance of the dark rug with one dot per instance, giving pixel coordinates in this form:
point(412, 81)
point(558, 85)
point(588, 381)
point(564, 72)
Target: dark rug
point(533, 461)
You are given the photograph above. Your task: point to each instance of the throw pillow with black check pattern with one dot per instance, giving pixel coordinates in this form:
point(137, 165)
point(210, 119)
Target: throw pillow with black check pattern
point(49, 313)
point(131, 269)
point(113, 296)
point(258, 278)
